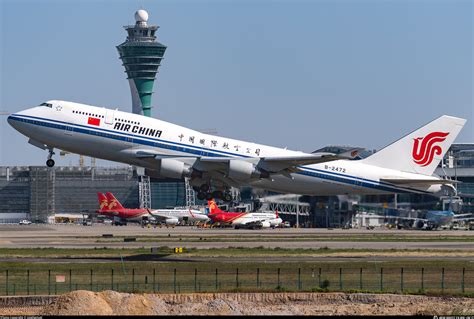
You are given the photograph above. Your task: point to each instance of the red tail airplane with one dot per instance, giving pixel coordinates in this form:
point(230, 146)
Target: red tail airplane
point(238, 220)
point(111, 207)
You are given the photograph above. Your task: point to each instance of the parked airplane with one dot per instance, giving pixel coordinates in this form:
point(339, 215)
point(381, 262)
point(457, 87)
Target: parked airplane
point(218, 163)
point(242, 219)
point(111, 207)
point(119, 214)
point(433, 219)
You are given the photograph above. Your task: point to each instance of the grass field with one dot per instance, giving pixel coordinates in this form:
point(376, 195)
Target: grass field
point(369, 237)
point(217, 274)
point(219, 252)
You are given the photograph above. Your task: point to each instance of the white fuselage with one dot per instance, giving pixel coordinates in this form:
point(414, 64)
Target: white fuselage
point(120, 135)
point(188, 215)
point(250, 218)
point(170, 216)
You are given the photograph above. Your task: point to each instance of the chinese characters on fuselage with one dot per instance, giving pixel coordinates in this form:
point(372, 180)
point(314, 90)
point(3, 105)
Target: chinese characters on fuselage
point(214, 143)
point(137, 129)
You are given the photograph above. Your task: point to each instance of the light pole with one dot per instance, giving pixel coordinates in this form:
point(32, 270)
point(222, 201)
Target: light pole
point(297, 213)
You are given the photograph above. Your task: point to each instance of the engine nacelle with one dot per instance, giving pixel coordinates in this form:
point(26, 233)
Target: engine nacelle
point(266, 224)
point(241, 170)
point(419, 224)
point(172, 168)
point(171, 221)
point(276, 222)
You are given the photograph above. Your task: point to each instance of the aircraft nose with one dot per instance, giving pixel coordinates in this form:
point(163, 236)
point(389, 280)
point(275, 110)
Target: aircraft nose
point(11, 120)
point(17, 120)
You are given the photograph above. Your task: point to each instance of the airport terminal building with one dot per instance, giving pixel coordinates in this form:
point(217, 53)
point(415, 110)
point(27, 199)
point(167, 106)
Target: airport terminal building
point(36, 192)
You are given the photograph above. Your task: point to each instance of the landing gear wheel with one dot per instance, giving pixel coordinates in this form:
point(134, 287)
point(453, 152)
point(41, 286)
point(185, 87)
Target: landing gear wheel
point(227, 197)
point(50, 162)
point(201, 196)
point(217, 194)
point(204, 188)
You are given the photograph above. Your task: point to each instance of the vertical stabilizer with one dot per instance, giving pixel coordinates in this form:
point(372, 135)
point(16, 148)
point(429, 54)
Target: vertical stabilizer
point(420, 151)
point(113, 202)
point(103, 202)
point(213, 208)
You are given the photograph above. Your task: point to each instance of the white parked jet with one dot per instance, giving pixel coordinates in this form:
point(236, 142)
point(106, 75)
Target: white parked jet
point(215, 162)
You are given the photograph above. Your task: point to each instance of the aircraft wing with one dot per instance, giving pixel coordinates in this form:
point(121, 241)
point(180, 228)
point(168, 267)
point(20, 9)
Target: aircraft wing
point(155, 155)
point(254, 223)
point(283, 165)
point(405, 218)
point(418, 182)
point(463, 217)
point(283, 162)
point(277, 164)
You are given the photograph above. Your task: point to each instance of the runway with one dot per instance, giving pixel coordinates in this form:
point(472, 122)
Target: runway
point(78, 236)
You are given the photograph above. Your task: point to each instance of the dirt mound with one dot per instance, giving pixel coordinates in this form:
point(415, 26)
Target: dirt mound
point(80, 302)
point(113, 303)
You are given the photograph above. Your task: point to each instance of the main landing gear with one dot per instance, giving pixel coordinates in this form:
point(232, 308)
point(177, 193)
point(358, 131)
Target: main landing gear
point(204, 192)
point(50, 161)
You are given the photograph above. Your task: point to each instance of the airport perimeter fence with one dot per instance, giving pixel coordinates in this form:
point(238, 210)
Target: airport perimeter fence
point(394, 280)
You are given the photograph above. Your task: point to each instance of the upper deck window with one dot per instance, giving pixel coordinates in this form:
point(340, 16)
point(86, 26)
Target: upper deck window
point(47, 105)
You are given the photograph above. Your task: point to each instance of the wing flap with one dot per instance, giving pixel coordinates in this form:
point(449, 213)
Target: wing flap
point(291, 163)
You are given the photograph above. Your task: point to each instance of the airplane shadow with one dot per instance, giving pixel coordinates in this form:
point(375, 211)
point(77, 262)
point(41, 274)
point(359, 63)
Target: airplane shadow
point(139, 257)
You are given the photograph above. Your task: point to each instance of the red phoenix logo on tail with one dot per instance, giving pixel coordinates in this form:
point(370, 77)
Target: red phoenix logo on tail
point(424, 148)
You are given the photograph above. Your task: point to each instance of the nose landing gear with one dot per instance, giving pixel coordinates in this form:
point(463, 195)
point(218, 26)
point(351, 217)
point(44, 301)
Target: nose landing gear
point(50, 161)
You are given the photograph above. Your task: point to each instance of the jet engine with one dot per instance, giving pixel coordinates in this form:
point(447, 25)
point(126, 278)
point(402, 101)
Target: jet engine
point(171, 221)
point(265, 224)
point(419, 224)
point(241, 170)
point(172, 168)
point(276, 222)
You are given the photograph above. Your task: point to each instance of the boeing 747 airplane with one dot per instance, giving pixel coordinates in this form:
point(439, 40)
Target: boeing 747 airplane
point(215, 163)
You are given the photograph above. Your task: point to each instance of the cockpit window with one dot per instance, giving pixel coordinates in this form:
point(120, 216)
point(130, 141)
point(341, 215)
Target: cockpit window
point(47, 105)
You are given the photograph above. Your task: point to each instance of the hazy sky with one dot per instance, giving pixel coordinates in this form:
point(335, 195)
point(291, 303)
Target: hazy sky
point(301, 74)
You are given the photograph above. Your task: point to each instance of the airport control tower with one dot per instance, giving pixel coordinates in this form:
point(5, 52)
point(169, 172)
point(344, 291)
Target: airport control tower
point(141, 55)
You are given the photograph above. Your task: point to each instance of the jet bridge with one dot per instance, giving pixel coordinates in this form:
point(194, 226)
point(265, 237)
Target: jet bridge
point(285, 205)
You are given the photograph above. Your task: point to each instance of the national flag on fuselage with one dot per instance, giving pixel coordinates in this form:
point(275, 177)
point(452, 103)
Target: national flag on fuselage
point(93, 121)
